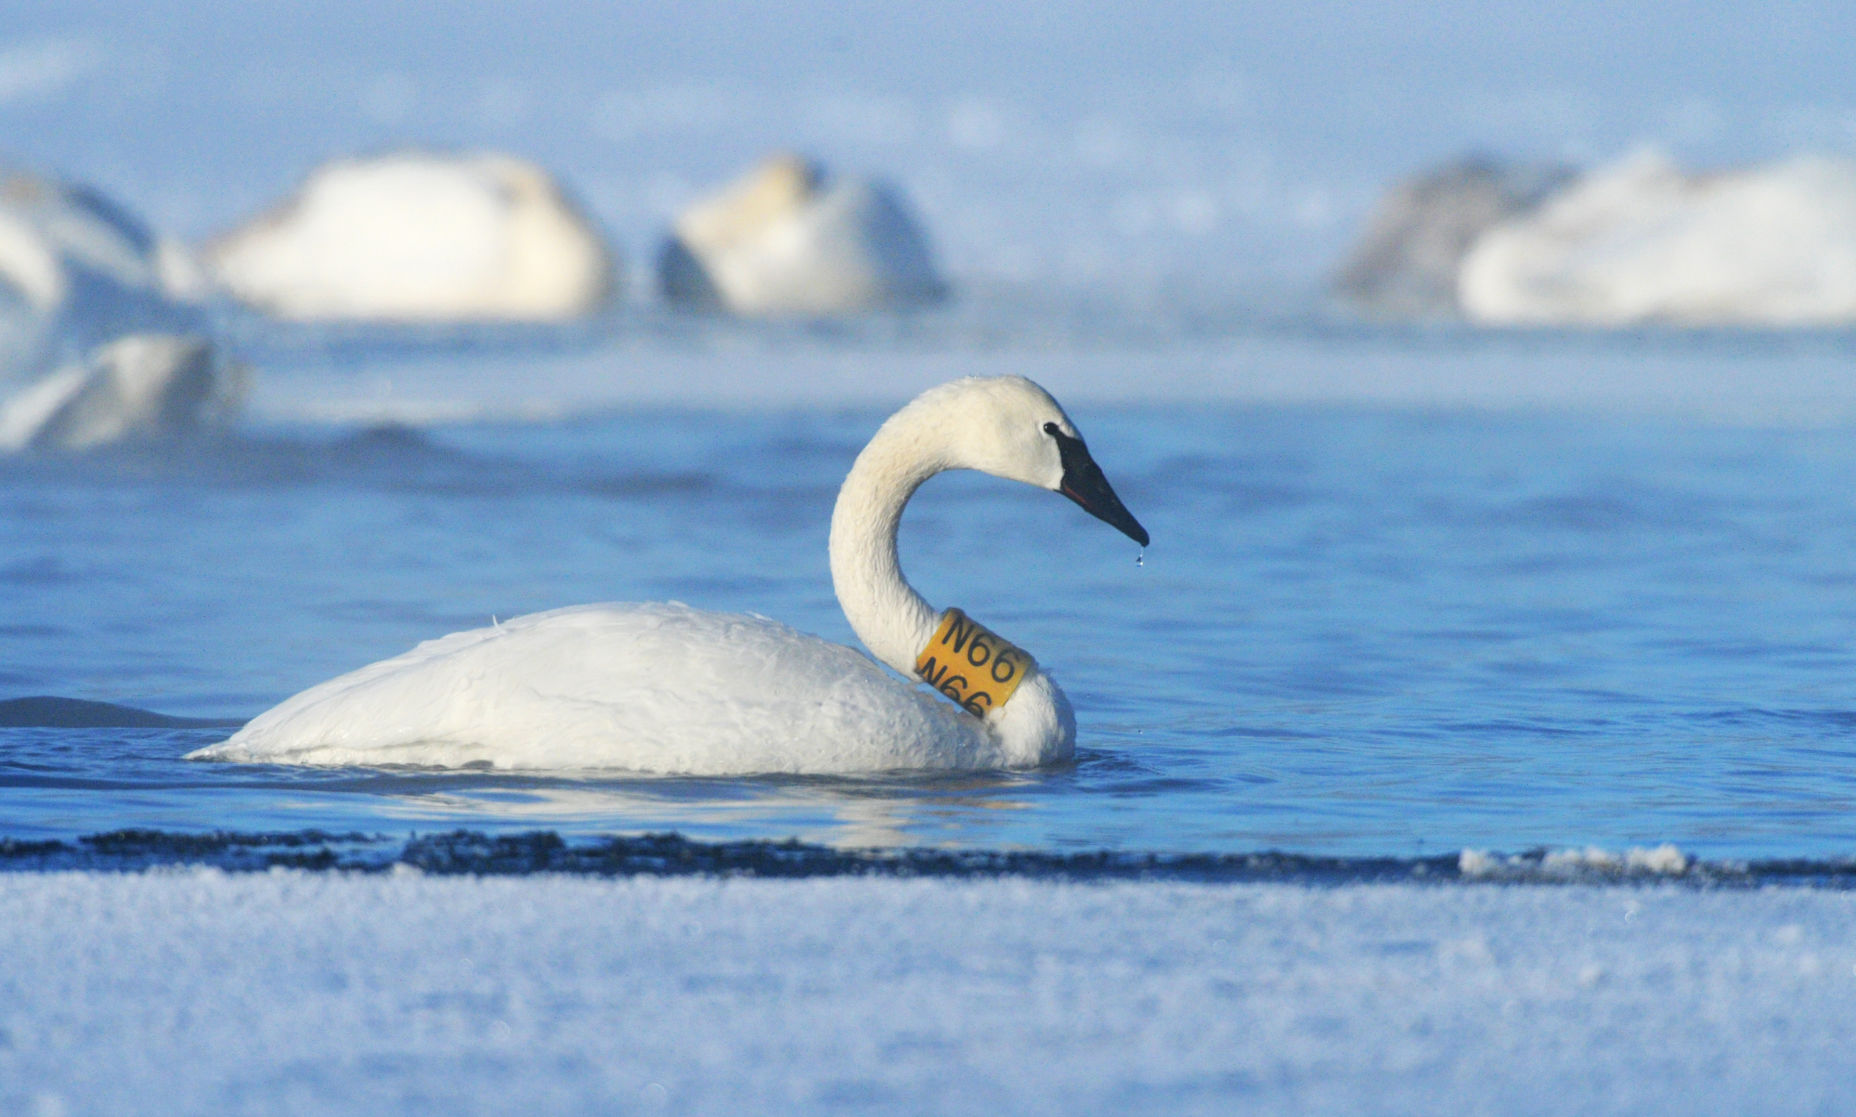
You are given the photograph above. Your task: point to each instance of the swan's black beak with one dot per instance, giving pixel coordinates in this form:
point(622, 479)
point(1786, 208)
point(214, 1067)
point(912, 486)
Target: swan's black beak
point(1083, 482)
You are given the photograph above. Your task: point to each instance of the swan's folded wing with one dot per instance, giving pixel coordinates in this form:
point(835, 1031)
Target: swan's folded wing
point(658, 688)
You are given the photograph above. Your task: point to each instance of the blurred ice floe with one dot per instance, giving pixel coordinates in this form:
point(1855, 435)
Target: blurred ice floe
point(145, 387)
point(1644, 241)
point(421, 237)
point(1406, 265)
point(76, 269)
point(1639, 241)
point(787, 240)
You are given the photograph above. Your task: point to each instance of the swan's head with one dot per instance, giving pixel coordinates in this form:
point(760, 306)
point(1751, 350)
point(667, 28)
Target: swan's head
point(1006, 426)
point(1010, 427)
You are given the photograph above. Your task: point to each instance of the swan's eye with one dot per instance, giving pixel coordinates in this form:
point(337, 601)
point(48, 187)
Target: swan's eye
point(1050, 428)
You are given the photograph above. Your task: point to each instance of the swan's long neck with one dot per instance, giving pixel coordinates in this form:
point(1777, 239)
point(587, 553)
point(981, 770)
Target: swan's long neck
point(885, 611)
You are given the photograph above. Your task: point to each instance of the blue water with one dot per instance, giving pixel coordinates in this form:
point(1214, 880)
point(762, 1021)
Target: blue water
point(1360, 630)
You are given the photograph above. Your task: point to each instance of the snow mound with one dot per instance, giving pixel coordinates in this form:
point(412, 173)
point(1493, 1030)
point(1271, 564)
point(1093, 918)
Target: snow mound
point(421, 237)
point(1643, 241)
point(786, 241)
point(146, 387)
point(1406, 265)
point(77, 269)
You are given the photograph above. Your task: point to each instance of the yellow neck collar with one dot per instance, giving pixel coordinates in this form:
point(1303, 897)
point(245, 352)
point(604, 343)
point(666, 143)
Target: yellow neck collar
point(972, 664)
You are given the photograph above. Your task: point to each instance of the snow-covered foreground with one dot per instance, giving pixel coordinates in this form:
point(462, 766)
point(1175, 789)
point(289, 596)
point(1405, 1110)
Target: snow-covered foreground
point(195, 991)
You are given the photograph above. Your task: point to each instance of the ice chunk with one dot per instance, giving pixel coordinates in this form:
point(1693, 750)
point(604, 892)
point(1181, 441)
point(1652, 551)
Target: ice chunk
point(1643, 241)
point(1406, 264)
point(143, 387)
point(77, 269)
point(1478, 863)
point(1590, 862)
point(421, 237)
point(785, 240)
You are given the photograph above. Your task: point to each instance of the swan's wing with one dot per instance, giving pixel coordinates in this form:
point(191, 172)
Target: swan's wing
point(662, 688)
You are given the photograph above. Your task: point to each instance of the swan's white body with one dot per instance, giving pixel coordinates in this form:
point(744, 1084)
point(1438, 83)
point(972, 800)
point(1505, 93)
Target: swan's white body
point(616, 686)
point(667, 688)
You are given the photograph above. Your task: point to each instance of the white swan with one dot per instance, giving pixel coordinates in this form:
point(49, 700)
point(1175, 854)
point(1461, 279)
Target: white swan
point(667, 688)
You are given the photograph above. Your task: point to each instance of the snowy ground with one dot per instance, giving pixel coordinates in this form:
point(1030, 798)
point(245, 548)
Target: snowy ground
point(195, 991)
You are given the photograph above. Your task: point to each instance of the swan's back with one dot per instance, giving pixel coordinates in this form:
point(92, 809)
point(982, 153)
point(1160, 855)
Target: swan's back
point(657, 688)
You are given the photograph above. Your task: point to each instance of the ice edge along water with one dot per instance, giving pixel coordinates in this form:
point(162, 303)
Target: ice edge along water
point(470, 852)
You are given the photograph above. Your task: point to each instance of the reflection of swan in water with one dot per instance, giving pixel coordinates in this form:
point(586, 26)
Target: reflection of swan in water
point(860, 814)
point(667, 688)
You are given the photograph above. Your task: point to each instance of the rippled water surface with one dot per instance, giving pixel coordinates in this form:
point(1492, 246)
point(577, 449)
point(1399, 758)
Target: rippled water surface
point(1359, 630)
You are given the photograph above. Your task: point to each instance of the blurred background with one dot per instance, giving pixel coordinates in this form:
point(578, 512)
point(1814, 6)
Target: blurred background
point(1218, 152)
